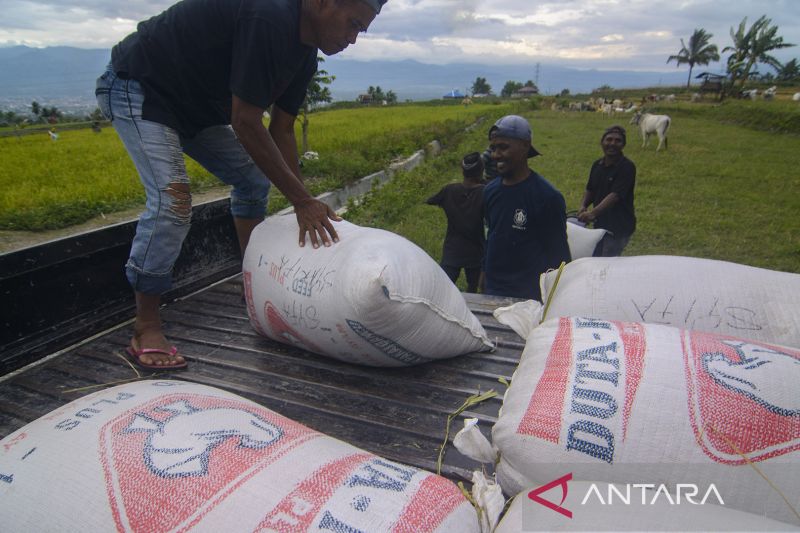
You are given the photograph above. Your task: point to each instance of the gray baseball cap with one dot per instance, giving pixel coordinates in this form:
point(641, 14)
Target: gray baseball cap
point(514, 127)
point(375, 4)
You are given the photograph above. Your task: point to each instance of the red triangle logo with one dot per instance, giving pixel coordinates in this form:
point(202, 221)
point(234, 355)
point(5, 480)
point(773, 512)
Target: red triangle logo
point(562, 482)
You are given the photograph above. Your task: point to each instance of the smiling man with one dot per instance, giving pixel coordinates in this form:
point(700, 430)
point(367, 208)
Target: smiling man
point(525, 215)
point(610, 191)
point(197, 79)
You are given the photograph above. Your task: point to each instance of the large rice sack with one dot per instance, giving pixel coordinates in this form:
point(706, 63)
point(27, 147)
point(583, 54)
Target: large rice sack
point(597, 506)
point(171, 456)
point(685, 292)
point(374, 298)
point(582, 240)
point(642, 403)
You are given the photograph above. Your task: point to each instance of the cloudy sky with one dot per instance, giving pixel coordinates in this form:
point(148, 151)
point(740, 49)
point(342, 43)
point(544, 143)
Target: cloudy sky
point(603, 34)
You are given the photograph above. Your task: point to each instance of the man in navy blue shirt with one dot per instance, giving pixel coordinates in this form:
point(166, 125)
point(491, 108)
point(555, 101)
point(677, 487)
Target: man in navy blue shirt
point(525, 215)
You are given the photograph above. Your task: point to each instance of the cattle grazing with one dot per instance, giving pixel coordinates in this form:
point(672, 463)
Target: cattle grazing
point(769, 94)
point(796, 97)
point(649, 124)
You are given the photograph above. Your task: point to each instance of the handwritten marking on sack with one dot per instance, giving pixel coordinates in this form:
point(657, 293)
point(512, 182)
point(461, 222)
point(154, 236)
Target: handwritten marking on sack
point(594, 367)
point(283, 331)
point(307, 282)
point(28, 453)
point(301, 316)
point(89, 412)
point(386, 346)
point(742, 397)
point(6, 478)
point(702, 315)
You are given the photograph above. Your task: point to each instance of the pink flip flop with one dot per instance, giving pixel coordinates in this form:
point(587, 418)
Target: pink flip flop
point(136, 357)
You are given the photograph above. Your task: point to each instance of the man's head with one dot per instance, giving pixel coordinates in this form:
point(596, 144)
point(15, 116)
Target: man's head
point(613, 141)
point(333, 25)
point(510, 145)
point(472, 166)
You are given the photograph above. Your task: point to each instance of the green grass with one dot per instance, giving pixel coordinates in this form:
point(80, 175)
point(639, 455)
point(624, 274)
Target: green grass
point(51, 185)
point(727, 187)
point(720, 191)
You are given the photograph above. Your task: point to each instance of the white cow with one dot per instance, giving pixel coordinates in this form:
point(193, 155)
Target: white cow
point(796, 97)
point(649, 124)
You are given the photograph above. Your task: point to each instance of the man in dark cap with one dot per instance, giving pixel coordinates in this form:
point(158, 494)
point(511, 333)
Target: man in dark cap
point(465, 239)
point(525, 215)
point(197, 79)
point(610, 191)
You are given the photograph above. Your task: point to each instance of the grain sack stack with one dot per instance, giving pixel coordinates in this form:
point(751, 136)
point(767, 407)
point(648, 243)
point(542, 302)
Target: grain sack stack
point(628, 402)
point(374, 298)
point(172, 456)
point(685, 292)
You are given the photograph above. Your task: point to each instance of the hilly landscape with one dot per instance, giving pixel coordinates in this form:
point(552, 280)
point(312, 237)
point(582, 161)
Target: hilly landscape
point(65, 76)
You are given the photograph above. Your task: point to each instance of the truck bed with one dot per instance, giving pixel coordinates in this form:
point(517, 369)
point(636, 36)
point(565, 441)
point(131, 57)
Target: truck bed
point(397, 413)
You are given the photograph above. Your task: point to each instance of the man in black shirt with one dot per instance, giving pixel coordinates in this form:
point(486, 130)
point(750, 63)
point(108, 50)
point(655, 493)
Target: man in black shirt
point(197, 79)
point(610, 191)
point(465, 238)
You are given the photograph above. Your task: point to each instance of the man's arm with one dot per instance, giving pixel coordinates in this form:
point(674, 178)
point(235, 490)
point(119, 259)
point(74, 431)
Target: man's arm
point(587, 199)
point(275, 153)
point(281, 128)
point(608, 202)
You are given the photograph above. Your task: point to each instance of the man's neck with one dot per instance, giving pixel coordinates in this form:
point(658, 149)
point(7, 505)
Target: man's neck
point(517, 177)
point(611, 161)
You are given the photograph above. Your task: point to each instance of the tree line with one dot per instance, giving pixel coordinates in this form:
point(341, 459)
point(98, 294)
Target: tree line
point(751, 46)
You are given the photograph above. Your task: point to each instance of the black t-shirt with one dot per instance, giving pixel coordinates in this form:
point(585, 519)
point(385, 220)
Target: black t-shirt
point(465, 238)
point(192, 57)
point(619, 178)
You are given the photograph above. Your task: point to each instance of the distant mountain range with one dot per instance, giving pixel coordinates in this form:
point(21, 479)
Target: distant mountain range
point(65, 77)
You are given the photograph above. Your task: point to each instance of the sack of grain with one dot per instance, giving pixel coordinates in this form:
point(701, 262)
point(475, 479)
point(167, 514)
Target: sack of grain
point(173, 456)
point(374, 298)
point(685, 292)
point(626, 402)
point(582, 240)
point(597, 506)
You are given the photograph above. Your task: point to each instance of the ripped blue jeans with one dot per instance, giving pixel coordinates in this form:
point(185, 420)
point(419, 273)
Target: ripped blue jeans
point(157, 152)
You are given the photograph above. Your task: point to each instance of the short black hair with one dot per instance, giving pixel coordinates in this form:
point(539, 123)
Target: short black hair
point(616, 128)
point(472, 165)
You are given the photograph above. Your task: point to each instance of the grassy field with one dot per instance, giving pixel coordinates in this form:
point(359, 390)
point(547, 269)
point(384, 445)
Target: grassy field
point(727, 187)
point(720, 191)
point(49, 185)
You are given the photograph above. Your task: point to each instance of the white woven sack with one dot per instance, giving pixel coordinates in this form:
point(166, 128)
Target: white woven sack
point(685, 292)
point(374, 298)
point(171, 456)
point(582, 241)
point(642, 403)
point(595, 506)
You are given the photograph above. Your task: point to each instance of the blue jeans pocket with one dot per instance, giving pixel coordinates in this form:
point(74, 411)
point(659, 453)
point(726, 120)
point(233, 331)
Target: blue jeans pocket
point(102, 92)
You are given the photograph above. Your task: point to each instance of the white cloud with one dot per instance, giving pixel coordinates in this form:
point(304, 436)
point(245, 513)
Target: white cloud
point(635, 34)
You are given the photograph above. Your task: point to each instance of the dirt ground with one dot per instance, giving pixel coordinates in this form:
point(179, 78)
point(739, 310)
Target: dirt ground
point(15, 240)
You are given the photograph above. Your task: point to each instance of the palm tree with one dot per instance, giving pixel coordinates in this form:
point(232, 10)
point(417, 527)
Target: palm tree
point(754, 46)
point(789, 71)
point(699, 52)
